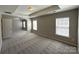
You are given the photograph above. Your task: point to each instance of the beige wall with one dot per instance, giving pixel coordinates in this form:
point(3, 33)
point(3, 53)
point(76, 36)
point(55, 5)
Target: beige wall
point(78, 29)
point(6, 26)
point(10, 25)
point(16, 25)
point(46, 26)
point(0, 34)
point(73, 15)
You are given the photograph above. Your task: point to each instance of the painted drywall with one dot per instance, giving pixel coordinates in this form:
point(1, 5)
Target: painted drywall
point(10, 25)
point(73, 18)
point(78, 29)
point(46, 26)
point(6, 26)
point(16, 25)
point(0, 34)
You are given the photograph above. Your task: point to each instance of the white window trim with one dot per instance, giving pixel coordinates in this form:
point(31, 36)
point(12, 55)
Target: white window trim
point(64, 27)
point(24, 25)
point(34, 24)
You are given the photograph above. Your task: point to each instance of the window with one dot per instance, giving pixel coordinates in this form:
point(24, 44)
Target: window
point(24, 25)
point(34, 24)
point(62, 26)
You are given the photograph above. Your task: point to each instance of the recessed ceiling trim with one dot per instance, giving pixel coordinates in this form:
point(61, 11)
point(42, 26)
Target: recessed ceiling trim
point(45, 11)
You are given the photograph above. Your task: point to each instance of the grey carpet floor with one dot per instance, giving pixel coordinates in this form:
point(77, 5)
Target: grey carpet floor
point(28, 43)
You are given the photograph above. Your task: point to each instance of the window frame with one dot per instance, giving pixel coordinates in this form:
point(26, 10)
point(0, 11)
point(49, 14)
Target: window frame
point(34, 25)
point(64, 27)
point(24, 24)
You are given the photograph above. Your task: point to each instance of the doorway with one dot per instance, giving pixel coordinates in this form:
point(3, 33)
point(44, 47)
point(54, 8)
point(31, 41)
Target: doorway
point(24, 24)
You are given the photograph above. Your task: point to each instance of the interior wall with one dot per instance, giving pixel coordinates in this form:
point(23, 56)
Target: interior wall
point(78, 29)
point(0, 34)
point(73, 18)
point(46, 26)
point(6, 26)
point(10, 25)
point(16, 24)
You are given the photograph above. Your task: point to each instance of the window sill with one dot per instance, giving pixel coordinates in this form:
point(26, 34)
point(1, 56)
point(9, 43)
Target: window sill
point(62, 36)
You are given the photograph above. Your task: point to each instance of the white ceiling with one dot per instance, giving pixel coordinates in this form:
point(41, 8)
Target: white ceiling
point(67, 7)
point(22, 10)
point(8, 8)
point(45, 11)
point(64, 8)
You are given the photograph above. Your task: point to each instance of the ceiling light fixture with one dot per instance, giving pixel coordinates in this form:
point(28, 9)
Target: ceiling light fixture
point(30, 8)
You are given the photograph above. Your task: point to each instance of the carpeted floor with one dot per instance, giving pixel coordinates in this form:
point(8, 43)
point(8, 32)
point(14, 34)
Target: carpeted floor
point(28, 43)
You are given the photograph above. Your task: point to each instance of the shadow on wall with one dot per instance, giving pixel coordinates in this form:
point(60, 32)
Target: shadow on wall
point(16, 24)
point(46, 26)
point(0, 34)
